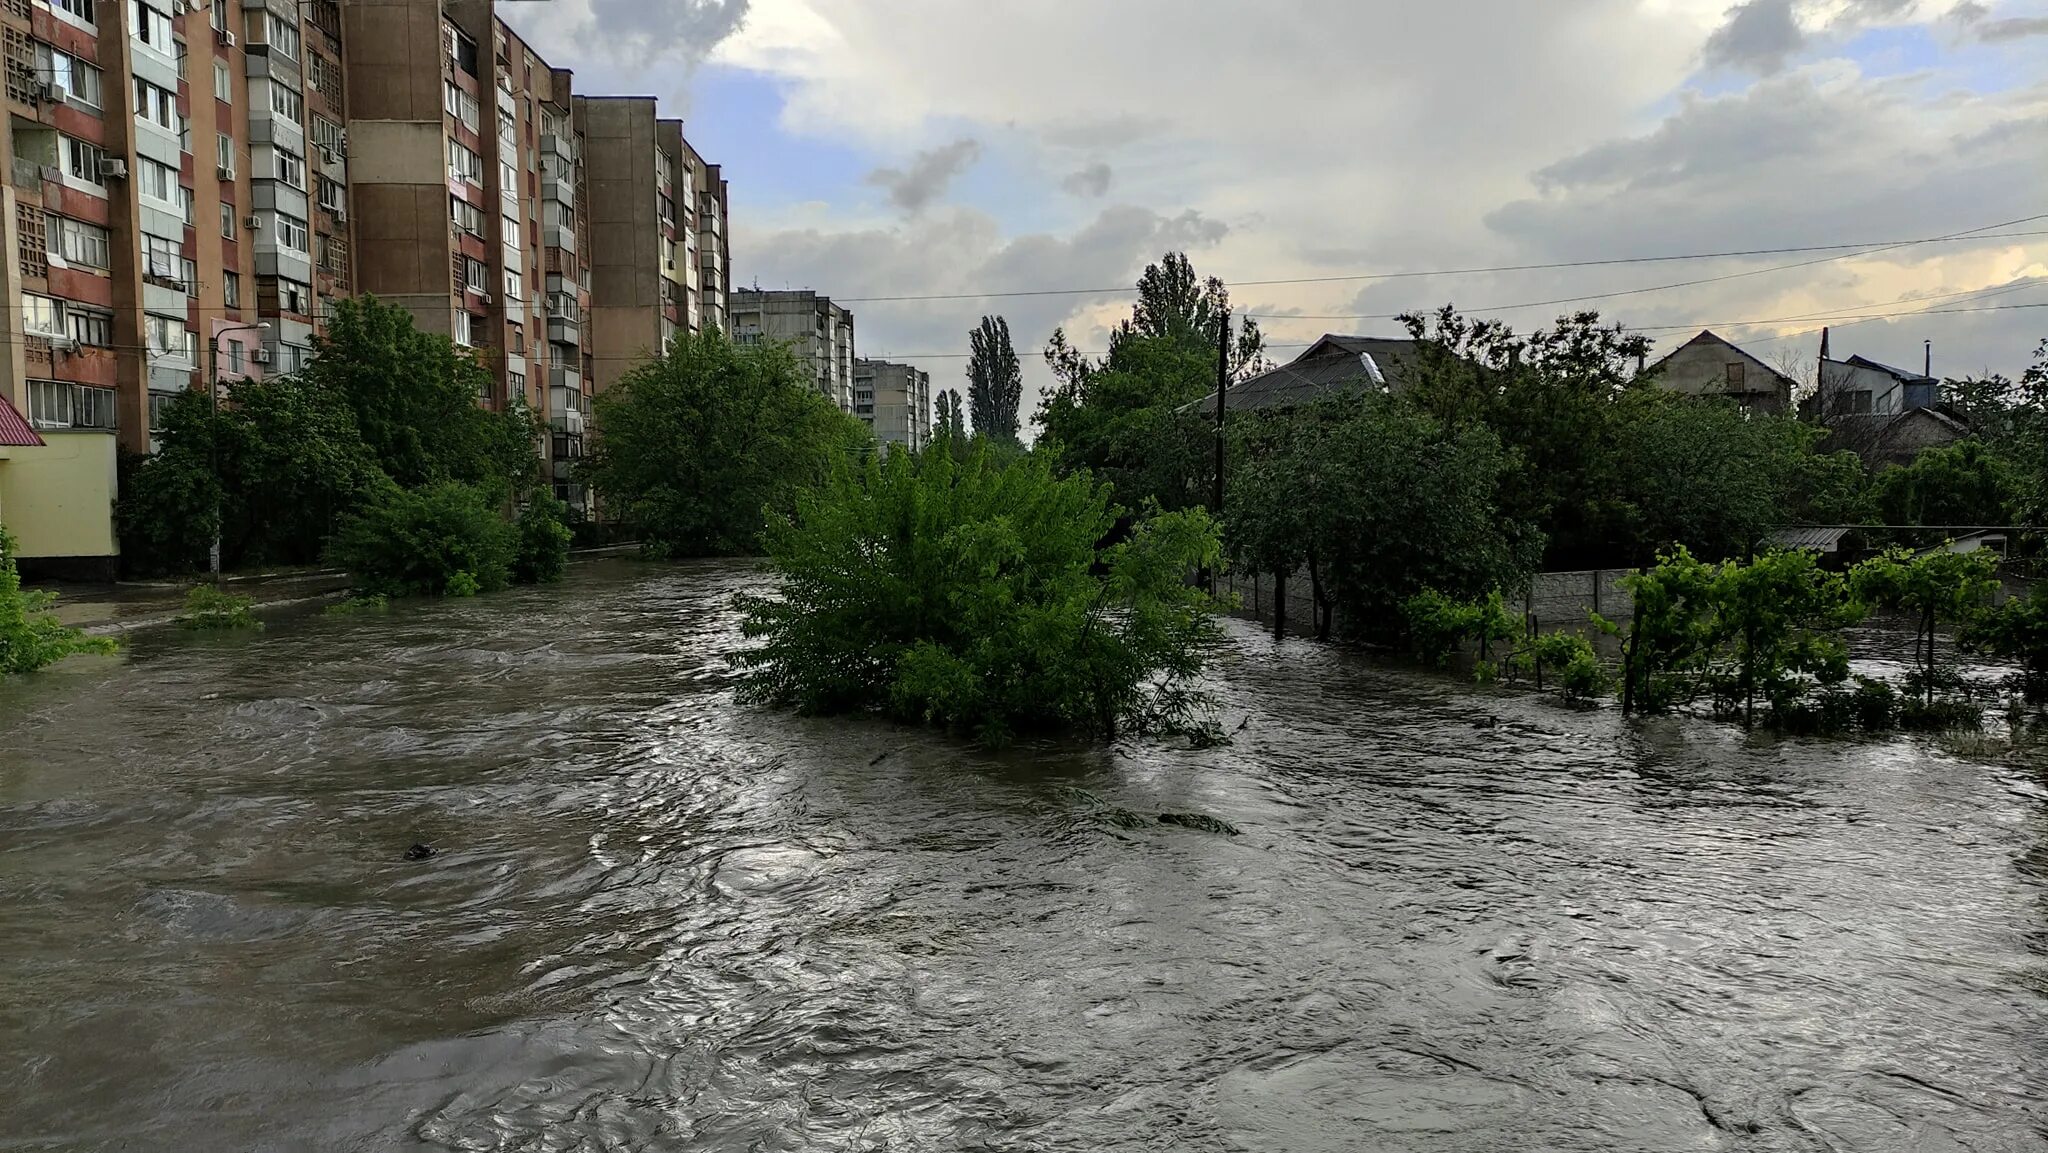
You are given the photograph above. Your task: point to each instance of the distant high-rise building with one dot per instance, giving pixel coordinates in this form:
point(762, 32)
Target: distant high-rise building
point(895, 400)
point(197, 183)
point(817, 330)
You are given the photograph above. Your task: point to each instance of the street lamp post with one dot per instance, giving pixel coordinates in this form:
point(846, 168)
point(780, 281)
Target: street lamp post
point(213, 432)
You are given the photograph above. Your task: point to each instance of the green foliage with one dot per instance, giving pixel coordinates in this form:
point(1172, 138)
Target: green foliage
point(1581, 677)
point(1955, 485)
point(207, 607)
point(2017, 629)
point(995, 381)
point(349, 606)
point(977, 597)
point(286, 458)
point(1672, 635)
point(1380, 502)
point(1118, 417)
point(414, 396)
point(701, 444)
point(1933, 588)
point(446, 539)
point(31, 637)
point(1876, 705)
point(1779, 620)
point(542, 552)
point(1438, 626)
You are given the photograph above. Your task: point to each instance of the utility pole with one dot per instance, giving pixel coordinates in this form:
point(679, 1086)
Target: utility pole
point(1222, 394)
point(213, 435)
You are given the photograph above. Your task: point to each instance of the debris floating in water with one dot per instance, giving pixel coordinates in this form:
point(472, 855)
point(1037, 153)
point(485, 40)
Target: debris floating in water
point(420, 852)
point(1202, 821)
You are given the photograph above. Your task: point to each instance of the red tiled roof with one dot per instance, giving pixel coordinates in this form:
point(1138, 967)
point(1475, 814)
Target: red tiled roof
point(14, 431)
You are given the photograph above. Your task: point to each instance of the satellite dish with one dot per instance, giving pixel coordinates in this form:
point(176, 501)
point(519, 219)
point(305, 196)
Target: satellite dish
point(1372, 369)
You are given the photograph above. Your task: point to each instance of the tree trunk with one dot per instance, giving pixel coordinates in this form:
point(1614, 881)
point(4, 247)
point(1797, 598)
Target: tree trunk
point(1322, 604)
point(1749, 676)
point(1279, 605)
point(1630, 659)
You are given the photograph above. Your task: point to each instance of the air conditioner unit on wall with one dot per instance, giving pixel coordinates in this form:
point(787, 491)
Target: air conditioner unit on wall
point(254, 223)
point(227, 37)
point(110, 166)
point(260, 356)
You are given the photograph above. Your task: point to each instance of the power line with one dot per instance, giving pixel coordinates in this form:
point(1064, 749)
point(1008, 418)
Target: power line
point(1975, 234)
point(1675, 284)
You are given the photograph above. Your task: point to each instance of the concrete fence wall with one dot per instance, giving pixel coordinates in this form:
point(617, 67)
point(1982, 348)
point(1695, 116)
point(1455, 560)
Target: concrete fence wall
point(1555, 599)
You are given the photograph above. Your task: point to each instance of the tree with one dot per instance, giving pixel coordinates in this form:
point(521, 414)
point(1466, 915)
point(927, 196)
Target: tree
point(1934, 588)
point(1958, 485)
point(1120, 416)
point(1781, 616)
point(694, 446)
point(1691, 471)
point(978, 597)
point(414, 395)
point(541, 555)
point(951, 420)
point(995, 382)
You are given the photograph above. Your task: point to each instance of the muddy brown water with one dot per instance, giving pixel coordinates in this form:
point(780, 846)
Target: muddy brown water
point(659, 920)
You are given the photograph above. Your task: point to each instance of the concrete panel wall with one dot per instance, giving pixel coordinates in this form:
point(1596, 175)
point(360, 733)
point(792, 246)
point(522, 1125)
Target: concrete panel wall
point(58, 500)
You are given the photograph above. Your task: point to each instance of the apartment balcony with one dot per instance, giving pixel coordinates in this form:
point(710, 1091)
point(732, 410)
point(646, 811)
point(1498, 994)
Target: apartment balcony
point(557, 236)
point(559, 187)
point(562, 376)
point(558, 145)
point(563, 330)
point(565, 411)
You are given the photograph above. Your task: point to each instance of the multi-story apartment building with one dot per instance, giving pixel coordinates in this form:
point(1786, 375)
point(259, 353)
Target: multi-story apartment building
point(192, 184)
point(894, 401)
point(817, 330)
point(659, 262)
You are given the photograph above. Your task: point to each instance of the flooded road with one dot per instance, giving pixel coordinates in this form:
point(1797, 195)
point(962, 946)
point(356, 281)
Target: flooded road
point(1454, 920)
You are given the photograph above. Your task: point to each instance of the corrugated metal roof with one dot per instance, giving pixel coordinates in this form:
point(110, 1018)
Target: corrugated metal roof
point(1816, 539)
point(14, 430)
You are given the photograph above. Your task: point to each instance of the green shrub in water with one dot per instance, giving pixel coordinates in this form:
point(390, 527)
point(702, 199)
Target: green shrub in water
point(446, 539)
point(542, 555)
point(977, 596)
point(207, 607)
point(31, 637)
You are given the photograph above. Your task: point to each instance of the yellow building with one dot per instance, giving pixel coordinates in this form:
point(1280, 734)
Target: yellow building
point(57, 496)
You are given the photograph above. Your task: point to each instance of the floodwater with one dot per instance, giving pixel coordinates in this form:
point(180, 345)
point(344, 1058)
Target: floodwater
point(660, 921)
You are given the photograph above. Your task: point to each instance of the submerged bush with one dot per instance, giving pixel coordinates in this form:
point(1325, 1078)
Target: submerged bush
point(207, 607)
point(1579, 675)
point(31, 637)
point(542, 555)
point(442, 540)
point(977, 597)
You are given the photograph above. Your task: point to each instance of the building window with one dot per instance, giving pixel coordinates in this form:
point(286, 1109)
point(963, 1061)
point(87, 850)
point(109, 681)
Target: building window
point(475, 276)
point(236, 351)
point(334, 255)
point(227, 220)
point(151, 27)
point(220, 15)
point(518, 341)
point(82, 161)
point(465, 164)
point(513, 289)
point(330, 196)
point(160, 256)
point(287, 102)
point(462, 50)
point(75, 11)
point(284, 36)
point(291, 168)
point(1735, 373)
point(1859, 402)
point(295, 296)
point(91, 328)
point(42, 315)
point(231, 289)
point(515, 384)
point(327, 136)
point(59, 404)
point(291, 233)
point(154, 105)
point(223, 82)
point(159, 403)
point(188, 274)
point(320, 74)
point(82, 245)
point(468, 217)
point(80, 80)
point(159, 181)
point(224, 148)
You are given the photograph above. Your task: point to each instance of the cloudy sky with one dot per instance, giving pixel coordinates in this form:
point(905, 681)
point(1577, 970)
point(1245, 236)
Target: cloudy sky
point(890, 148)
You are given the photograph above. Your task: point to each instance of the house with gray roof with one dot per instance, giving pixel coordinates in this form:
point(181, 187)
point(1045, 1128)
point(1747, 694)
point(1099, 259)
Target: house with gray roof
point(1335, 364)
point(1710, 366)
